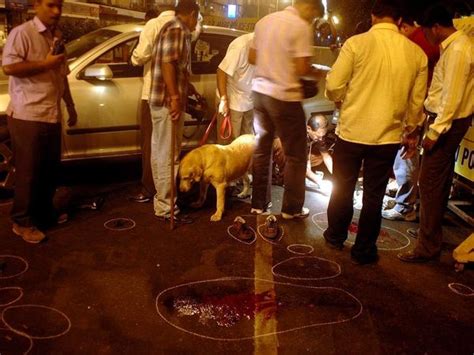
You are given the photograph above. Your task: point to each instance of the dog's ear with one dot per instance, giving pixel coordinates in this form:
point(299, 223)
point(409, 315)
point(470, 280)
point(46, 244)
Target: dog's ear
point(197, 174)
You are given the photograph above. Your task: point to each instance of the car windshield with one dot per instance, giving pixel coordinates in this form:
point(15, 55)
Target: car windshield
point(79, 46)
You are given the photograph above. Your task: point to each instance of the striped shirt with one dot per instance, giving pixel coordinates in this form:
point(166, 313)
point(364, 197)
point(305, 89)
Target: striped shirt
point(174, 46)
point(381, 77)
point(280, 38)
point(451, 94)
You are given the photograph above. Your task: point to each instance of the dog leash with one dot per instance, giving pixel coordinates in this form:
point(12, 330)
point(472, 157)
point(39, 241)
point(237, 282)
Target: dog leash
point(226, 127)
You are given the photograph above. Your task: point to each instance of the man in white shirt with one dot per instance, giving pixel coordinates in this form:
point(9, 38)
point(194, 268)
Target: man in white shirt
point(281, 52)
point(234, 85)
point(142, 56)
point(451, 104)
point(380, 77)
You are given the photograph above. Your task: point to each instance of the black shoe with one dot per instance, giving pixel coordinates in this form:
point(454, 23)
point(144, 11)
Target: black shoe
point(413, 232)
point(364, 260)
point(333, 245)
point(180, 219)
point(141, 198)
point(412, 257)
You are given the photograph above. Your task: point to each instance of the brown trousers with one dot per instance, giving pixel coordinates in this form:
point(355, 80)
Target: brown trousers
point(36, 157)
point(436, 177)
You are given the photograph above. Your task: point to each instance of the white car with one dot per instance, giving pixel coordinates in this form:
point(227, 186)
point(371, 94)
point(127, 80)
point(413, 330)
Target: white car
point(107, 93)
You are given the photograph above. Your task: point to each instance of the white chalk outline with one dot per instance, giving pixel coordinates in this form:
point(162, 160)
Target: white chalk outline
point(18, 274)
point(339, 270)
point(36, 306)
point(16, 299)
point(120, 229)
point(452, 288)
point(22, 335)
point(271, 241)
point(239, 240)
point(379, 248)
point(231, 278)
point(311, 248)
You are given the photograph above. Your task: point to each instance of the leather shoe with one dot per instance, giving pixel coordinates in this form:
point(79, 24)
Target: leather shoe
point(29, 234)
point(412, 257)
point(179, 219)
point(364, 260)
point(141, 198)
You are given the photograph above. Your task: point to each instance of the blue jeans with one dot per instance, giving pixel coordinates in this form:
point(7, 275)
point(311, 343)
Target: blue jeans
point(406, 174)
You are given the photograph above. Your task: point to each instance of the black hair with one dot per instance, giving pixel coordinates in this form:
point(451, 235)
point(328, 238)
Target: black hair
point(151, 13)
point(439, 14)
point(314, 123)
point(185, 7)
point(387, 8)
point(316, 3)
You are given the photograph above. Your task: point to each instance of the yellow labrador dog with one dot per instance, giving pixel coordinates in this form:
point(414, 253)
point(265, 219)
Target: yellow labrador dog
point(217, 165)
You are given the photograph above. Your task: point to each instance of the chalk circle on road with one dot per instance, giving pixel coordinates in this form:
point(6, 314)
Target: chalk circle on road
point(10, 295)
point(13, 266)
point(281, 233)
point(225, 309)
point(233, 233)
point(388, 239)
point(307, 268)
point(300, 249)
point(462, 290)
point(14, 343)
point(36, 321)
point(120, 224)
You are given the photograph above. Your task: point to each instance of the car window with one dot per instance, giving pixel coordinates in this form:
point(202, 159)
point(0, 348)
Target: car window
point(83, 44)
point(208, 51)
point(118, 59)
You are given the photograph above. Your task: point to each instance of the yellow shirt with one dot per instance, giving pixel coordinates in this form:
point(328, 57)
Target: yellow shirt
point(451, 94)
point(381, 77)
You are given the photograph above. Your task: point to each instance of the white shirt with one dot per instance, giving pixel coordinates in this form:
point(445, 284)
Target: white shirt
point(239, 73)
point(142, 54)
point(280, 38)
point(381, 77)
point(451, 94)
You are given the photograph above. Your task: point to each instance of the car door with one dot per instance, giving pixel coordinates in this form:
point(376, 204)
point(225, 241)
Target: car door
point(108, 110)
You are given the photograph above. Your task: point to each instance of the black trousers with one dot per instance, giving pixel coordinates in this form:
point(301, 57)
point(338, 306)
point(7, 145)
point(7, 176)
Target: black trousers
point(36, 157)
point(286, 120)
point(436, 177)
point(377, 162)
point(146, 128)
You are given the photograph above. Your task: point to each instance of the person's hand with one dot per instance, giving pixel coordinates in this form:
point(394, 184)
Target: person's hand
point(193, 92)
point(410, 144)
point(223, 106)
point(72, 120)
point(428, 144)
point(175, 109)
point(53, 61)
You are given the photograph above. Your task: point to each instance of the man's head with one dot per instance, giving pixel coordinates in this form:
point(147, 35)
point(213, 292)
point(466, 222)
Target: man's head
point(188, 13)
point(407, 26)
point(386, 11)
point(437, 23)
point(151, 13)
point(309, 9)
point(49, 11)
point(317, 126)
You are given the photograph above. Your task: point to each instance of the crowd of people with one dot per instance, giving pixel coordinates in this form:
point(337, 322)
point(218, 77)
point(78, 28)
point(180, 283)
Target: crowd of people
point(391, 83)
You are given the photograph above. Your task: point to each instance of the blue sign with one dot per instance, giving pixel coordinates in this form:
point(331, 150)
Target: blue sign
point(231, 11)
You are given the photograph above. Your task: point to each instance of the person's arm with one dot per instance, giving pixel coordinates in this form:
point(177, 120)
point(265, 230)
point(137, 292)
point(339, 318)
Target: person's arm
point(222, 89)
point(415, 116)
point(68, 100)
point(339, 76)
point(457, 73)
point(171, 54)
point(144, 50)
point(303, 52)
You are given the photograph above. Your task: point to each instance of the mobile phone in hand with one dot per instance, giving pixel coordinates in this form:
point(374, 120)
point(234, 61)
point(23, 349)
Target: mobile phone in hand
point(58, 47)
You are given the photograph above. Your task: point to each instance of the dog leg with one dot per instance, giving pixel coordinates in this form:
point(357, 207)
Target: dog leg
point(220, 189)
point(203, 186)
point(246, 188)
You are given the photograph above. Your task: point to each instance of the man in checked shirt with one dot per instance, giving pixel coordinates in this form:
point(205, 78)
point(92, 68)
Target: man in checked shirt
point(170, 88)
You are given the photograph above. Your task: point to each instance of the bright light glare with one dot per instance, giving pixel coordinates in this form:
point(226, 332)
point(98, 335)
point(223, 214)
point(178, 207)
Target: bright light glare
point(326, 187)
point(99, 89)
point(325, 4)
point(335, 20)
